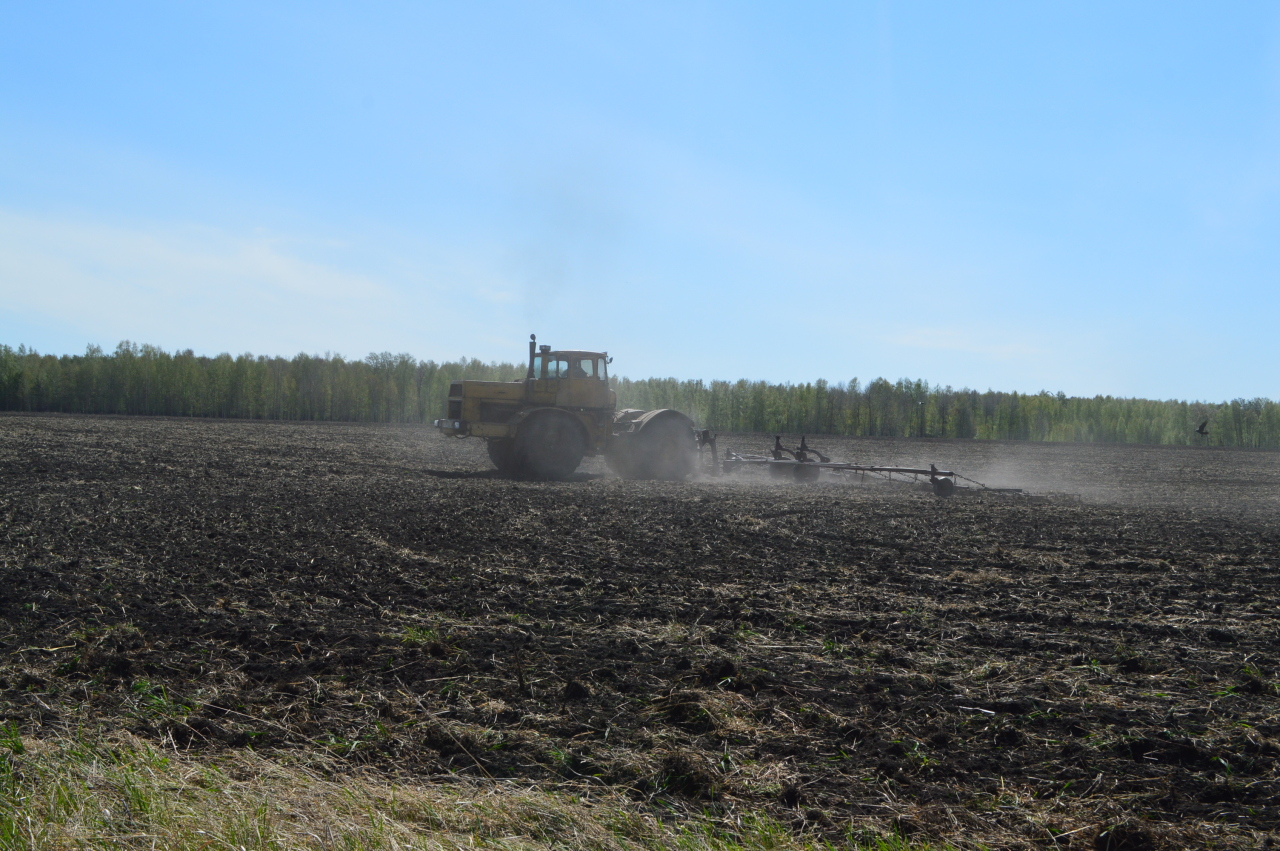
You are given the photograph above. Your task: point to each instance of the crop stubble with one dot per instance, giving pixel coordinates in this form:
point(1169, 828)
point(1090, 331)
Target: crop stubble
point(1003, 667)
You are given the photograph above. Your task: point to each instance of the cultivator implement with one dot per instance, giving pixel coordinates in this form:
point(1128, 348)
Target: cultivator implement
point(805, 464)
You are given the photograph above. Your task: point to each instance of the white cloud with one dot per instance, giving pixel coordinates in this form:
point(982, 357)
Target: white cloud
point(71, 268)
point(208, 289)
point(67, 282)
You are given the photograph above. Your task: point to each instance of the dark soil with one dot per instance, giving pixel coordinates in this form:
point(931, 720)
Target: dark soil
point(1093, 661)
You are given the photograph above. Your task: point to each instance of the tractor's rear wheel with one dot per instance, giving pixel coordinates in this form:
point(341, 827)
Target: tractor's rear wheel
point(665, 448)
point(549, 446)
point(502, 452)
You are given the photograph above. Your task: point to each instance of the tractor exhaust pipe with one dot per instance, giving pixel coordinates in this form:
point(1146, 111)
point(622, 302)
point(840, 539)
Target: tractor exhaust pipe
point(533, 348)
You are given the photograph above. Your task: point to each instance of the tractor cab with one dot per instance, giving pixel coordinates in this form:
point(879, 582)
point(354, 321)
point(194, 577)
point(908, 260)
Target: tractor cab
point(580, 365)
point(570, 379)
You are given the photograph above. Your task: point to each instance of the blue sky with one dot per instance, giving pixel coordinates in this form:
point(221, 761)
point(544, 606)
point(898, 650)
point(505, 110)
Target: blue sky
point(1067, 196)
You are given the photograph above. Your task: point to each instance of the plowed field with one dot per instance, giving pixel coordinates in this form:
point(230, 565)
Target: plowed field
point(1022, 670)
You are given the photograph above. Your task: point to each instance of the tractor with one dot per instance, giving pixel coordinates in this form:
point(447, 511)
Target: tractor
point(542, 426)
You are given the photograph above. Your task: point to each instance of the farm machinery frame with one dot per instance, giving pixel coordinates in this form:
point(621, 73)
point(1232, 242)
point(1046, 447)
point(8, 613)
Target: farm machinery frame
point(805, 464)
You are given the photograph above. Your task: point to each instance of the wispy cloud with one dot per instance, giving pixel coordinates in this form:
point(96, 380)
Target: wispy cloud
point(192, 285)
point(63, 265)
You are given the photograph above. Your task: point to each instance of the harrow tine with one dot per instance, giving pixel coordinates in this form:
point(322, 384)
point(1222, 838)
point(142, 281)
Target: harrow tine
point(800, 463)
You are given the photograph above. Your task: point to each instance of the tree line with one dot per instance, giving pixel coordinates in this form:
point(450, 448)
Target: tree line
point(908, 408)
point(142, 379)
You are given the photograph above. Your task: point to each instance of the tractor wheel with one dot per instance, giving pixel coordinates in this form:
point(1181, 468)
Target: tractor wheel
point(502, 454)
point(944, 487)
point(664, 449)
point(549, 446)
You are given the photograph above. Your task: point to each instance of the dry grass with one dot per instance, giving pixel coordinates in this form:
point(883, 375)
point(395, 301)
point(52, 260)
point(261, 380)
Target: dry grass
point(124, 793)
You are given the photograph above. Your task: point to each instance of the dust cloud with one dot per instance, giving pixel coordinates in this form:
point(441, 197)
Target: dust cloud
point(1180, 477)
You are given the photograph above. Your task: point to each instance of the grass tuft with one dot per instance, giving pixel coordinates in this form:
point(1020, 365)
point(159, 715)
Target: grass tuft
point(124, 793)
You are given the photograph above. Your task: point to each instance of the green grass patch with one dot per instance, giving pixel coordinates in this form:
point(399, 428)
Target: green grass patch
point(124, 793)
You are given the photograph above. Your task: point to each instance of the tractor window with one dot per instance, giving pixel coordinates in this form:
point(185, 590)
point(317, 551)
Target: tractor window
point(557, 368)
point(583, 368)
point(537, 366)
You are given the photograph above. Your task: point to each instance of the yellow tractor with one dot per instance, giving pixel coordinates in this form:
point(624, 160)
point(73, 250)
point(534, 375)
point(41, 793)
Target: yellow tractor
point(542, 426)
